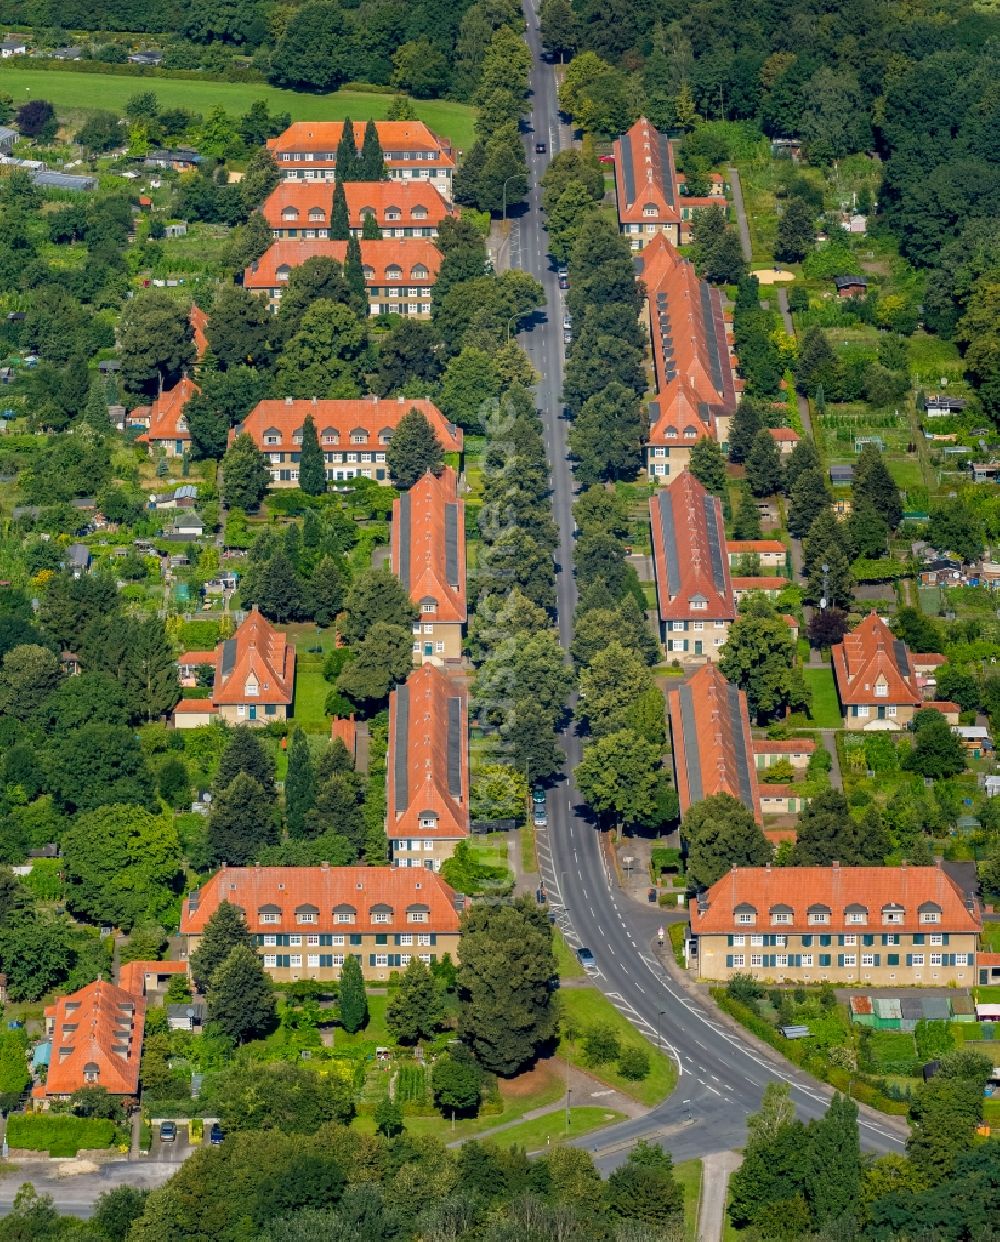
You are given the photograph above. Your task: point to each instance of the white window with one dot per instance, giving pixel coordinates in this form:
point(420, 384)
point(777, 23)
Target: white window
point(719, 625)
point(935, 959)
point(428, 846)
point(851, 940)
point(425, 957)
point(337, 939)
point(270, 918)
point(740, 941)
point(241, 709)
point(406, 940)
point(381, 916)
point(881, 689)
point(782, 916)
point(850, 959)
point(781, 959)
point(918, 959)
point(936, 938)
point(338, 959)
point(312, 942)
point(738, 960)
point(438, 647)
point(404, 959)
point(807, 959)
point(756, 959)
point(345, 917)
point(429, 629)
point(312, 959)
point(891, 709)
point(270, 960)
point(306, 918)
point(892, 939)
point(295, 942)
point(423, 938)
point(416, 916)
point(270, 940)
point(818, 917)
point(699, 625)
point(381, 959)
point(930, 916)
point(295, 959)
point(744, 918)
point(892, 916)
point(857, 916)
point(781, 942)
point(757, 941)
point(867, 959)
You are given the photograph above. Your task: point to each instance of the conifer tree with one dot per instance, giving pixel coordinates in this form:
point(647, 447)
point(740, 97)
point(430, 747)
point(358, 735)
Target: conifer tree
point(312, 470)
point(300, 785)
point(340, 221)
point(372, 161)
point(226, 929)
point(370, 230)
point(708, 465)
point(240, 996)
point(353, 998)
point(348, 161)
point(354, 272)
point(415, 1010)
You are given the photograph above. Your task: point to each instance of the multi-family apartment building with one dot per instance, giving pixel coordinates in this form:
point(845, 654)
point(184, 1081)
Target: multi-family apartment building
point(871, 926)
point(307, 151)
point(306, 921)
point(694, 590)
point(401, 209)
point(95, 1038)
point(254, 678)
point(427, 555)
point(877, 677)
point(427, 776)
point(712, 745)
point(353, 435)
point(696, 386)
point(649, 191)
point(399, 275)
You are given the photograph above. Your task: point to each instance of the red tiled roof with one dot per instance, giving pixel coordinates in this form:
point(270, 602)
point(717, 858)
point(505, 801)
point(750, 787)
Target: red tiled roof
point(872, 655)
point(256, 654)
point(427, 545)
point(927, 659)
point(344, 729)
point(688, 553)
point(323, 137)
point(166, 414)
point(945, 708)
point(132, 976)
point(694, 370)
point(308, 198)
point(95, 1031)
point(784, 433)
point(287, 889)
point(428, 768)
point(783, 746)
point(194, 707)
point(416, 258)
point(196, 657)
point(778, 834)
point(336, 421)
point(645, 177)
point(836, 888)
point(779, 791)
point(745, 547)
point(199, 323)
point(760, 584)
point(988, 959)
point(710, 728)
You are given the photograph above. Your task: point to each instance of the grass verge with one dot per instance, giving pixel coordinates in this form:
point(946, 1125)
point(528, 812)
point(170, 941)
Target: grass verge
point(585, 1007)
point(688, 1174)
point(88, 92)
point(566, 960)
point(550, 1130)
point(529, 858)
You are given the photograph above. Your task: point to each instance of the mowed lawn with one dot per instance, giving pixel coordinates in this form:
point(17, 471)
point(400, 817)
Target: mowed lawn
point(92, 91)
point(688, 1173)
point(586, 1007)
point(825, 711)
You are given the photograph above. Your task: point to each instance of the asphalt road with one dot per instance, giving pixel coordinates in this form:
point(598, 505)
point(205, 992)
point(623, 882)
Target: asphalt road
point(722, 1078)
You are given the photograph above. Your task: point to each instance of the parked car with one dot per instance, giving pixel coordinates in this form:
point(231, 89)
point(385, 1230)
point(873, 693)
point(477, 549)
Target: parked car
point(585, 957)
point(567, 321)
point(563, 278)
point(215, 1135)
point(168, 1131)
point(540, 148)
point(538, 795)
point(567, 338)
point(540, 817)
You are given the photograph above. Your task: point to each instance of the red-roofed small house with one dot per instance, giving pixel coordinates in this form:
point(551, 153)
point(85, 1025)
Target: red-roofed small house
point(771, 553)
point(876, 678)
point(254, 679)
point(166, 427)
point(428, 769)
point(797, 750)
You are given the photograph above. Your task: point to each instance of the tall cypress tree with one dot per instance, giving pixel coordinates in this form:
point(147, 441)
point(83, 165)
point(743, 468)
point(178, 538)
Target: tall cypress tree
point(300, 785)
point(873, 482)
point(370, 230)
point(347, 154)
point(353, 998)
point(833, 1166)
point(312, 471)
point(372, 163)
point(354, 273)
point(340, 219)
point(226, 929)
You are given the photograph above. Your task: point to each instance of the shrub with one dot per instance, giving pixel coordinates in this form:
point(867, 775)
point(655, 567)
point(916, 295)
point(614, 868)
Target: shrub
point(745, 989)
point(601, 1044)
point(633, 1062)
point(59, 1135)
point(934, 1039)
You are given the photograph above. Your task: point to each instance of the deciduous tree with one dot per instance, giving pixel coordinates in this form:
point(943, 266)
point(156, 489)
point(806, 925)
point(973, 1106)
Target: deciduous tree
point(721, 833)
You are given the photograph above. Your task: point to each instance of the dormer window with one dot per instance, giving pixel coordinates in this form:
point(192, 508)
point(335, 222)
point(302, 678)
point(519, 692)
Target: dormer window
point(419, 213)
point(417, 914)
point(929, 913)
point(272, 436)
point(818, 916)
point(856, 915)
point(290, 213)
point(781, 915)
point(428, 819)
point(381, 914)
point(317, 215)
point(394, 272)
point(699, 602)
point(252, 688)
point(690, 433)
point(344, 914)
point(307, 914)
point(650, 209)
point(282, 273)
point(393, 213)
point(269, 914)
point(428, 605)
point(369, 271)
point(881, 689)
point(745, 914)
point(418, 272)
point(91, 1072)
point(893, 914)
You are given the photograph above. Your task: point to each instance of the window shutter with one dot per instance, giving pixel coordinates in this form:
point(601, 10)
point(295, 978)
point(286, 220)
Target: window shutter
point(918, 938)
point(909, 959)
point(824, 959)
point(355, 938)
point(434, 938)
point(381, 938)
point(878, 959)
point(807, 942)
point(840, 959)
point(868, 941)
point(945, 938)
point(729, 957)
point(395, 939)
point(892, 959)
point(371, 959)
point(840, 941)
point(825, 941)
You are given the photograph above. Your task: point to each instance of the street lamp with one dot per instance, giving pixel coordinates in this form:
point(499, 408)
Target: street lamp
point(826, 593)
point(512, 177)
point(512, 319)
point(659, 1014)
